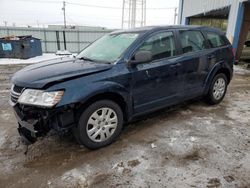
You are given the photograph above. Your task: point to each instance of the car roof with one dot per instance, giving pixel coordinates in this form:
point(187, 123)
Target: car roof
point(156, 28)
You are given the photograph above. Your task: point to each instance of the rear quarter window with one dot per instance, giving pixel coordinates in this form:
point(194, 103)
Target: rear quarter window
point(215, 39)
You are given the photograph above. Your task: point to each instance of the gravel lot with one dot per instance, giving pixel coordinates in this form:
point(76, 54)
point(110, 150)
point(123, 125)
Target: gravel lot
point(190, 145)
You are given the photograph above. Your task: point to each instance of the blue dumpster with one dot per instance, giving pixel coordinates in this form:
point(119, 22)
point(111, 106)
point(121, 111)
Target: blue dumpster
point(21, 47)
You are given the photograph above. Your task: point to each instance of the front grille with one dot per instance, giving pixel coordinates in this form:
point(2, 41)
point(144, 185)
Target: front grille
point(15, 93)
point(17, 89)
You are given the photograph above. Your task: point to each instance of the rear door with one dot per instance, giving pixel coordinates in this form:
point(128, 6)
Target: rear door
point(220, 48)
point(195, 61)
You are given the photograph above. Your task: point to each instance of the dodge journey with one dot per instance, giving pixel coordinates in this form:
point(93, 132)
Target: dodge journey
point(119, 77)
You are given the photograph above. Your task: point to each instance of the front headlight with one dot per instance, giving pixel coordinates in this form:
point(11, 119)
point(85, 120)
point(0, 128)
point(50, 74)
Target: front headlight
point(40, 98)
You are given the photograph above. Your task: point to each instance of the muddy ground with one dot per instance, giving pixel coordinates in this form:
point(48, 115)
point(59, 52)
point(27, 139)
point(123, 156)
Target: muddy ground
point(191, 145)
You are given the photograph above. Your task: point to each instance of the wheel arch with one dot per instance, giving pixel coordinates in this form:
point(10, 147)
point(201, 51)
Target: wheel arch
point(217, 69)
point(105, 95)
point(226, 72)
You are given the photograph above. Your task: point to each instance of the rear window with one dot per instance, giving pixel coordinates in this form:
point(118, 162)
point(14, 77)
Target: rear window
point(215, 39)
point(192, 41)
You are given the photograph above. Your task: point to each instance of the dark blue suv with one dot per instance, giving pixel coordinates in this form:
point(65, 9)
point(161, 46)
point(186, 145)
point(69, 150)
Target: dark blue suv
point(119, 77)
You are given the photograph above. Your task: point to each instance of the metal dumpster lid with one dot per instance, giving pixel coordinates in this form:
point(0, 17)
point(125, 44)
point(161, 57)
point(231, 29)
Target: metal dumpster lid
point(22, 37)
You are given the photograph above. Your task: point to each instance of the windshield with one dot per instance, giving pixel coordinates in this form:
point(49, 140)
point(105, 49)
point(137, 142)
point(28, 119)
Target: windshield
point(108, 48)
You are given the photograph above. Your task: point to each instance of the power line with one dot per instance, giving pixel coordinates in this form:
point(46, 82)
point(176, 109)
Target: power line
point(106, 7)
point(41, 1)
point(141, 8)
point(161, 8)
point(94, 6)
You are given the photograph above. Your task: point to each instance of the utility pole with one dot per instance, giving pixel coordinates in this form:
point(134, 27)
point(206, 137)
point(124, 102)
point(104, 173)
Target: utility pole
point(143, 13)
point(175, 15)
point(64, 14)
point(5, 23)
point(65, 26)
point(37, 23)
point(123, 7)
point(133, 13)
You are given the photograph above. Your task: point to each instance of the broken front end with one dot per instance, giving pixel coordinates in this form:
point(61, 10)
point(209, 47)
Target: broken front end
point(36, 113)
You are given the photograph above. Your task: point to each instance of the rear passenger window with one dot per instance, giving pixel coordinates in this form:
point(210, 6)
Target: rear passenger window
point(215, 40)
point(192, 41)
point(161, 45)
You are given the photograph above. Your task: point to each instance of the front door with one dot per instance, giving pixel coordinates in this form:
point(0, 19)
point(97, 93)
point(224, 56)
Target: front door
point(156, 84)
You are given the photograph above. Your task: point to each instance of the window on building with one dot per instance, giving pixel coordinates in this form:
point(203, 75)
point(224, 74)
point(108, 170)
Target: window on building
point(215, 39)
point(192, 41)
point(161, 45)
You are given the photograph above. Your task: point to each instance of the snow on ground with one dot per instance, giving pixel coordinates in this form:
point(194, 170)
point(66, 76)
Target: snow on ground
point(241, 70)
point(192, 145)
point(44, 57)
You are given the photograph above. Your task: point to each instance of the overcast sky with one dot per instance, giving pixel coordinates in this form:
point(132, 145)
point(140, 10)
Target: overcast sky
point(45, 12)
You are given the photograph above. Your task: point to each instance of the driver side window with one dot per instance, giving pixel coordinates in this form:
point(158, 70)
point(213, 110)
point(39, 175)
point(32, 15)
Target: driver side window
point(161, 45)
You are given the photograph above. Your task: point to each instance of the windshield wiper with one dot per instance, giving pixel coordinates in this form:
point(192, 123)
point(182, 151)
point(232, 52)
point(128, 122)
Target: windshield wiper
point(93, 60)
point(86, 59)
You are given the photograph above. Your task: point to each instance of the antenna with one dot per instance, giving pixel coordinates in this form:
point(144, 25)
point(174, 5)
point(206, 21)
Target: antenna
point(133, 13)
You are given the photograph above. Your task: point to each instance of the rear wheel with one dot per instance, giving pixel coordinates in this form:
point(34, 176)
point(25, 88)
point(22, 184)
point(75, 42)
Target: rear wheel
point(99, 125)
point(217, 89)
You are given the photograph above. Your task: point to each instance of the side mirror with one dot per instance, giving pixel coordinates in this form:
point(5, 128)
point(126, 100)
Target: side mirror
point(141, 57)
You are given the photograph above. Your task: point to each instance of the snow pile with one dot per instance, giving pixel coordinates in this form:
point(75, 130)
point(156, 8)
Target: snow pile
point(37, 59)
point(241, 70)
point(63, 52)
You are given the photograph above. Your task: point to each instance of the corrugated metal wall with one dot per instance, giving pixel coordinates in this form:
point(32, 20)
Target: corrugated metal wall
point(194, 7)
point(76, 39)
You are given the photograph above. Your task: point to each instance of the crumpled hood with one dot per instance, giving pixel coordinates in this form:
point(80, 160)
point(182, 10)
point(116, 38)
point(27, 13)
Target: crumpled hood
point(55, 70)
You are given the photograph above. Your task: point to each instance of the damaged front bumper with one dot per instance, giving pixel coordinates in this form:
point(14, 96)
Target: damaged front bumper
point(34, 122)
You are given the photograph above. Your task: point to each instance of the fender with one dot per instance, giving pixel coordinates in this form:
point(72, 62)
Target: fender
point(106, 87)
point(74, 94)
point(81, 94)
point(218, 66)
point(112, 87)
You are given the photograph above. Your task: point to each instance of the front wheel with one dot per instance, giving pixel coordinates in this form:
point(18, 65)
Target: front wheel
point(99, 125)
point(217, 89)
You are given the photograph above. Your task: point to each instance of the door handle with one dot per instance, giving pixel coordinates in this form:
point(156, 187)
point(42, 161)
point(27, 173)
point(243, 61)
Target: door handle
point(175, 65)
point(212, 56)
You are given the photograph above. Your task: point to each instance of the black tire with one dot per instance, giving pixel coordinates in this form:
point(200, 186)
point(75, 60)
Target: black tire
point(80, 132)
point(210, 96)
